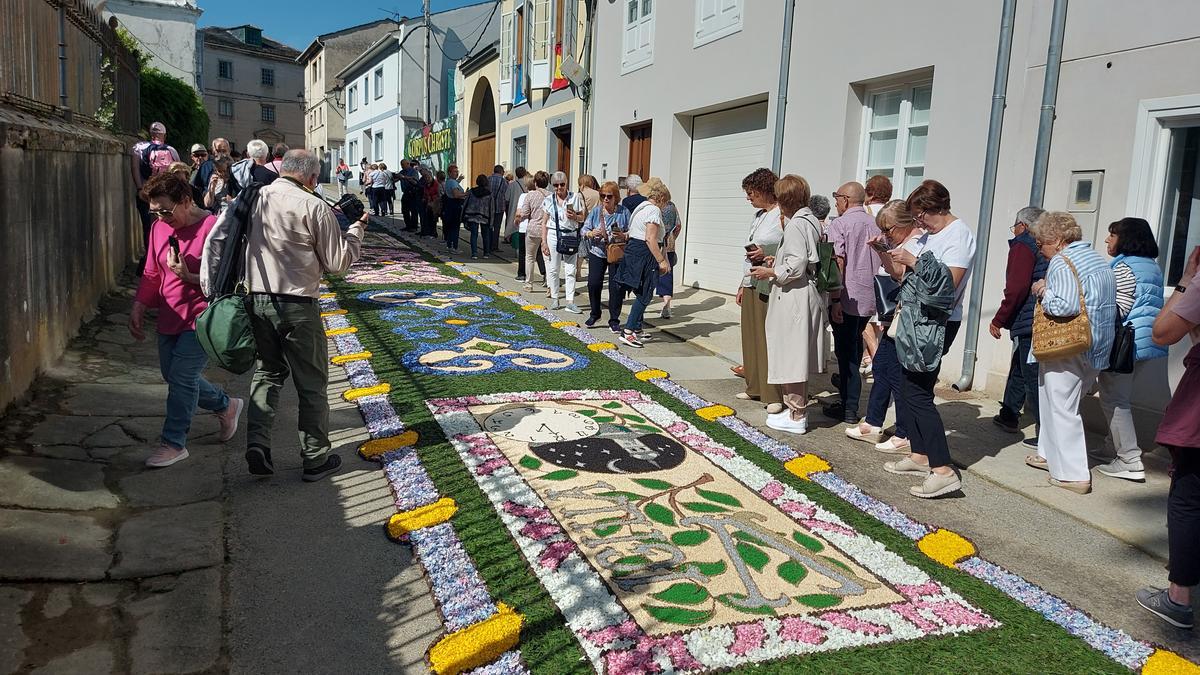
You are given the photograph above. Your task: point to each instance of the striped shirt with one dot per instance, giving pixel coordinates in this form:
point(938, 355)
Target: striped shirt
point(1061, 298)
point(1126, 288)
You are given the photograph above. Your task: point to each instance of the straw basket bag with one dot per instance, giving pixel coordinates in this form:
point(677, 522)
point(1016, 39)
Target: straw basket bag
point(1059, 338)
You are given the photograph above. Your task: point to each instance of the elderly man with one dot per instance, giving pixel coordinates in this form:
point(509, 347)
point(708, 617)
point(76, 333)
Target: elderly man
point(294, 240)
point(855, 304)
point(1026, 264)
point(412, 196)
point(633, 198)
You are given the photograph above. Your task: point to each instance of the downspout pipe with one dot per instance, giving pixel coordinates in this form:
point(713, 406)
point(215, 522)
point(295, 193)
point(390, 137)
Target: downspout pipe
point(987, 195)
point(785, 62)
point(587, 91)
point(1041, 157)
point(62, 55)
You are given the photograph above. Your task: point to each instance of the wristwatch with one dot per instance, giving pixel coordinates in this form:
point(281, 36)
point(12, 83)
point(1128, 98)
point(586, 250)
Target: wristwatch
point(1180, 288)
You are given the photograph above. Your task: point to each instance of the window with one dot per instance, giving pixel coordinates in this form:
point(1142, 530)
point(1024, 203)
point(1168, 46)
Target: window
point(225, 70)
point(715, 19)
point(379, 83)
point(225, 107)
point(352, 98)
point(353, 152)
point(268, 77)
point(540, 72)
point(366, 91)
point(268, 113)
point(379, 144)
point(520, 151)
point(637, 46)
point(896, 125)
point(1180, 219)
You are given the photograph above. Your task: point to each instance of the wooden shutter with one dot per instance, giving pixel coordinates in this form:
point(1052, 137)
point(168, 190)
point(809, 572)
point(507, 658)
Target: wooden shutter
point(506, 58)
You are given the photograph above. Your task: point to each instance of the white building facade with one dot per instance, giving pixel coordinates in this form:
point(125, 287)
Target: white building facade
point(383, 89)
point(691, 92)
point(166, 30)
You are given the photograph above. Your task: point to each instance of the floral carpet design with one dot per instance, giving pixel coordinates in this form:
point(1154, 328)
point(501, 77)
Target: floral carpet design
point(602, 518)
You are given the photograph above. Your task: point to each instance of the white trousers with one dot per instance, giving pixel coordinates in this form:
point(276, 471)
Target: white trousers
point(1061, 386)
point(1116, 390)
point(568, 263)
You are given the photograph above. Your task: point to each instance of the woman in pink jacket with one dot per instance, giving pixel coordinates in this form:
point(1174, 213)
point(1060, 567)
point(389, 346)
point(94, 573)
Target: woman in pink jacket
point(171, 284)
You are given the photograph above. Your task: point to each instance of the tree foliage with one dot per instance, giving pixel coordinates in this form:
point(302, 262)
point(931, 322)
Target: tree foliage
point(173, 102)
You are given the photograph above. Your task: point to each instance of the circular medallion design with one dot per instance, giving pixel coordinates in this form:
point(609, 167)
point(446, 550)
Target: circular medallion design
point(540, 425)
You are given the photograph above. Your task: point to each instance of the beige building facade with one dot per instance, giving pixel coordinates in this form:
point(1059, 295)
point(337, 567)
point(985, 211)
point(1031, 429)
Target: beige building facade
point(324, 109)
point(252, 87)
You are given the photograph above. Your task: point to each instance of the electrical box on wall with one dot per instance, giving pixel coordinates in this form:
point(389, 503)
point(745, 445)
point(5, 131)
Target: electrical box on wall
point(1083, 202)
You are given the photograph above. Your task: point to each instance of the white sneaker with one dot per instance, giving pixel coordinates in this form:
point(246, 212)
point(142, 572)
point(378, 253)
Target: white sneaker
point(894, 446)
point(572, 309)
point(783, 422)
point(856, 432)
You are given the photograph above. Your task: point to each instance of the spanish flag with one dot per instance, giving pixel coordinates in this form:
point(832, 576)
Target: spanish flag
point(559, 82)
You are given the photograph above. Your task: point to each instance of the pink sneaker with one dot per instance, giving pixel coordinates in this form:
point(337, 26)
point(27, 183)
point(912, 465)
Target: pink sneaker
point(165, 455)
point(229, 418)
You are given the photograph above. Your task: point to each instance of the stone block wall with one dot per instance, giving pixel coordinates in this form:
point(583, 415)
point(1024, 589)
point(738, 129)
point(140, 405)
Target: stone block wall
point(68, 227)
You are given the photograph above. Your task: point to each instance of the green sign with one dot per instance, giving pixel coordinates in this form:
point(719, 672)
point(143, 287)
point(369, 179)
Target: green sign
point(435, 145)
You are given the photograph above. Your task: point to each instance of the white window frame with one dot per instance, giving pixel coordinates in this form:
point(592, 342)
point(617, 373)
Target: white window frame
point(633, 59)
point(352, 98)
point(366, 90)
point(903, 126)
point(222, 105)
point(353, 152)
point(266, 74)
point(264, 109)
point(377, 142)
point(723, 18)
point(379, 82)
point(507, 63)
point(541, 73)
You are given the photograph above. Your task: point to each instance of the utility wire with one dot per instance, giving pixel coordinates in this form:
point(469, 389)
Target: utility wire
point(486, 23)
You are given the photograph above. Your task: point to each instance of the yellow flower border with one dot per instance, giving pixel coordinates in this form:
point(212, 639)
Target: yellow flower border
point(601, 346)
point(343, 359)
point(1163, 662)
point(340, 331)
point(806, 465)
point(355, 394)
point(376, 447)
point(478, 644)
point(651, 374)
point(946, 547)
point(714, 412)
point(429, 515)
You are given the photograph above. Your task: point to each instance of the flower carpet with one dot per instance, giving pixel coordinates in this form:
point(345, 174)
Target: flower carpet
point(577, 511)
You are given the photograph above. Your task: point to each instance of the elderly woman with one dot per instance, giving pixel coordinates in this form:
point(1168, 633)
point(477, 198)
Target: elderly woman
point(644, 258)
point(952, 245)
point(763, 238)
point(665, 288)
point(564, 217)
point(793, 321)
point(1075, 270)
point(219, 192)
point(1139, 283)
point(608, 218)
point(477, 212)
point(898, 231)
point(171, 284)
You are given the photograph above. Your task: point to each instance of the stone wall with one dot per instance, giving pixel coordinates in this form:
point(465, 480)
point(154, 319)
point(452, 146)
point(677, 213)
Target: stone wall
point(68, 227)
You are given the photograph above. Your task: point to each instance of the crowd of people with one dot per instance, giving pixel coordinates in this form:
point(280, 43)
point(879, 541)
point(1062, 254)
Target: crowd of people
point(625, 240)
point(886, 277)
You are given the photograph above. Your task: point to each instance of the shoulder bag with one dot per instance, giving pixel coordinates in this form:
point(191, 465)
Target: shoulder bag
point(564, 244)
point(827, 276)
point(1059, 338)
point(887, 296)
point(1123, 349)
point(617, 240)
point(223, 329)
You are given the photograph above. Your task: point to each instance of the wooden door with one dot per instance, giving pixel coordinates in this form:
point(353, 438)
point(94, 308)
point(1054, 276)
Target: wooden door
point(562, 151)
point(483, 158)
point(639, 150)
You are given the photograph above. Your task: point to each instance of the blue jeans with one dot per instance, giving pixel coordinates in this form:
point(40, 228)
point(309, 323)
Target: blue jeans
point(1021, 389)
point(889, 378)
point(473, 228)
point(181, 360)
point(633, 322)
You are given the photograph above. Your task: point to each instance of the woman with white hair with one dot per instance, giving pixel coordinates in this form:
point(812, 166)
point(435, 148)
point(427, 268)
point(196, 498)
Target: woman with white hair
point(263, 170)
point(1077, 280)
point(564, 217)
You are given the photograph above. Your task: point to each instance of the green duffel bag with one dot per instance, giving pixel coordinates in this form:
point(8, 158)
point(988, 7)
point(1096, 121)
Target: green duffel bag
point(225, 334)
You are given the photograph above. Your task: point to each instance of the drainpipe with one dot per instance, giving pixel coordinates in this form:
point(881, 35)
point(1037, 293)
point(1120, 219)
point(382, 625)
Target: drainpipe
point(988, 191)
point(589, 89)
point(785, 61)
point(62, 55)
point(1041, 158)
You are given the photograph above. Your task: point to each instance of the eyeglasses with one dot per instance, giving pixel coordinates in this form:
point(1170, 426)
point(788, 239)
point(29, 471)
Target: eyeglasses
point(163, 213)
point(559, 184)
point(199, 154)
point(838, 195)
point(608, 196)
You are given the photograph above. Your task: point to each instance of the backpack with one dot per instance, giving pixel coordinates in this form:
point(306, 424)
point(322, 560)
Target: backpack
point(223, 329)
point(156, 159)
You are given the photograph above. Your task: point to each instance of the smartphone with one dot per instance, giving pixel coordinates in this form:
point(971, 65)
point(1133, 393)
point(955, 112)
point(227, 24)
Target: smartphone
point(751, 247)
point(880, 246)
point(173, 243)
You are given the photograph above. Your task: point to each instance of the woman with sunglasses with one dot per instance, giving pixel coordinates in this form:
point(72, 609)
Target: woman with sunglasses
point(564, 216)
point(171, 284)
point(603, 221)
point(644, 258)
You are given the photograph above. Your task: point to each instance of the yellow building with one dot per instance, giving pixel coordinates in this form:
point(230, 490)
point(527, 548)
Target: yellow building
point(476, 81)
point(540, 121)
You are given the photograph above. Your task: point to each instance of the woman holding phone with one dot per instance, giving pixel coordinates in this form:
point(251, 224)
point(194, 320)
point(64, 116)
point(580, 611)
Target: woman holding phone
point(171, 284)
point(762, 240)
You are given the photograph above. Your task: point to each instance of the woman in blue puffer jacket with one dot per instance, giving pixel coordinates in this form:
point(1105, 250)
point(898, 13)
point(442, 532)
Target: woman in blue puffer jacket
point(1139, 300)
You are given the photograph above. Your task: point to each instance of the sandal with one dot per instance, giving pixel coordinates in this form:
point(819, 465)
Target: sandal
point(1037, 462)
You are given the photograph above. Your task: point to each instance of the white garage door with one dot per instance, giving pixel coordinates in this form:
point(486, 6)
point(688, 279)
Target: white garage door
point(725, 147)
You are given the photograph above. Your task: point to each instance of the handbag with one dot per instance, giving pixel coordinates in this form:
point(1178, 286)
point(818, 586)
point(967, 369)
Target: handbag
point(565, 244)
point(1059, 338)
point(827, 276)
point(1123, 350)
point(887, 295)
point(616, 246)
